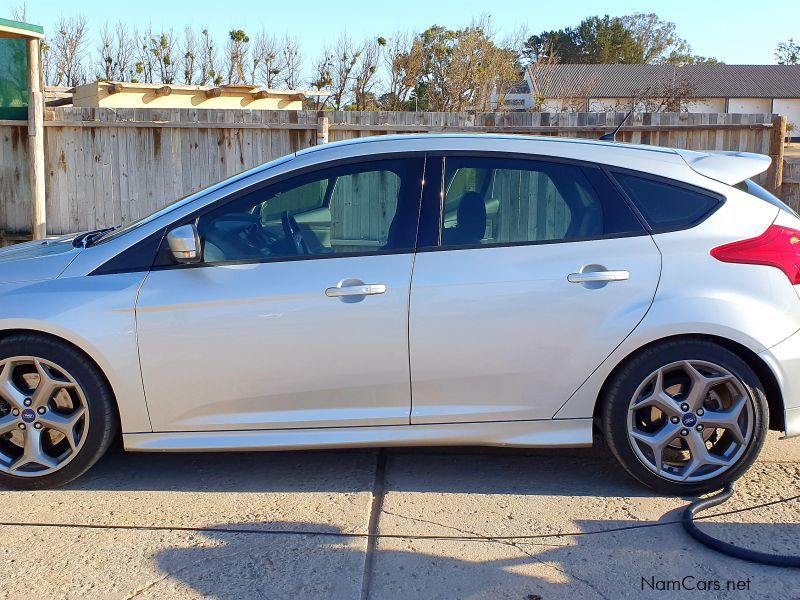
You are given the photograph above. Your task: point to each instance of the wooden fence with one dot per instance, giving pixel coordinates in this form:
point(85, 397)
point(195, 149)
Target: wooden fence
point(106, 166)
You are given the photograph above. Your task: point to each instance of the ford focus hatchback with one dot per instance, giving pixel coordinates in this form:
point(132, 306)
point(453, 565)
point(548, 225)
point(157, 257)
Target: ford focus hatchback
point(419, 290)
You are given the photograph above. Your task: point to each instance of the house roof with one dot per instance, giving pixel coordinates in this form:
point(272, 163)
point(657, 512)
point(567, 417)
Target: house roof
point(705, 80)
point(18, 29)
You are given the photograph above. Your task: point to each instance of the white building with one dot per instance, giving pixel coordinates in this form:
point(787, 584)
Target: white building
point(717, 88)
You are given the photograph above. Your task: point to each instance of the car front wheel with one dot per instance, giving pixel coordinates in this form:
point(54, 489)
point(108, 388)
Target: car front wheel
point(57, 414)
point(685, 417)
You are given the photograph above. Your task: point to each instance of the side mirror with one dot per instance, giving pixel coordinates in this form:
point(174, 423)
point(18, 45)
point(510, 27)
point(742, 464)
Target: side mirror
point(184, 243)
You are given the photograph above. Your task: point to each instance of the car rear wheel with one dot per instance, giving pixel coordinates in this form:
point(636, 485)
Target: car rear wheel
point(57, 415)
point(685, 417)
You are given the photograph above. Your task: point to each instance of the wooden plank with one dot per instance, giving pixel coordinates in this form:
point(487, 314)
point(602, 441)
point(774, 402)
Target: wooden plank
point(36, 141)
point(774, 177)
point(383, 128)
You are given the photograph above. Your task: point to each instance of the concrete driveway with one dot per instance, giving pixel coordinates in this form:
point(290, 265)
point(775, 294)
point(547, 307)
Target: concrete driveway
point(130, 502)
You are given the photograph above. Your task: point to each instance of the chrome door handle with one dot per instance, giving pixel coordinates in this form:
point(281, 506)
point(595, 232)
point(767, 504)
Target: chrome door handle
point(367, 289)
point(598, 276)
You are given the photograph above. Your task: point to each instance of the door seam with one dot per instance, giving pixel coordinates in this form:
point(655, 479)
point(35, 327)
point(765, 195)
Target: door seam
point(138, 348)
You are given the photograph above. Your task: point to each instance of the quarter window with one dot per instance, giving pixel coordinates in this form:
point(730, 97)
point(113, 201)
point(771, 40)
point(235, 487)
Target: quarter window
point(490, 201)
point(666, 206)
point(364, 208)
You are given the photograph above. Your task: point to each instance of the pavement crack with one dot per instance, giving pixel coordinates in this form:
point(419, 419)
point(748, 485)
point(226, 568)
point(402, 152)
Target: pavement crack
point(464, 532)
point(375, 509)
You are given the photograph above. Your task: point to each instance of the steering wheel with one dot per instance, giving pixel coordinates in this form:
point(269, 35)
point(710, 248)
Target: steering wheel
point(292, 231)
point(260, 238)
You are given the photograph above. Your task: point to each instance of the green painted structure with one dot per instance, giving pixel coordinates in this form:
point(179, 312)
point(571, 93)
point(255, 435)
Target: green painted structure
point(14, 68)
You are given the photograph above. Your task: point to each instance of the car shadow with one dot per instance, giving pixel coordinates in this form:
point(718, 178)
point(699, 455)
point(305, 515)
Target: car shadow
point(633, 563)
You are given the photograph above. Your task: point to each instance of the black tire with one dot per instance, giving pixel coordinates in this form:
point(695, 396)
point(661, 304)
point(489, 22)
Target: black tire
point(103, 419)
point(619, 393)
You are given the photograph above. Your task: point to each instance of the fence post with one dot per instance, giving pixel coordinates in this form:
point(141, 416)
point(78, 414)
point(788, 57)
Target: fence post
point(36, 141)
point(322, 130)
point(775, 172)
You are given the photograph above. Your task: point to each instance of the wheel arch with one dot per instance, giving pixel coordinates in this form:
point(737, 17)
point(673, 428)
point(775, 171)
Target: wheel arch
point(6, 333)
point(755, 362)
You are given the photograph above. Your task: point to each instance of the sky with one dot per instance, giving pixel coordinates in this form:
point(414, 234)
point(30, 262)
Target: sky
point(734, 31)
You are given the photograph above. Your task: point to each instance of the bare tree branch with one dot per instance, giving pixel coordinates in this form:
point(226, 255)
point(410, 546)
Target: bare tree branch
point(69, 51)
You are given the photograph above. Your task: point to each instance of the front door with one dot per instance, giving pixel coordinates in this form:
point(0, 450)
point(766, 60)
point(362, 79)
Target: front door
point(536, 272)
point(298, 314)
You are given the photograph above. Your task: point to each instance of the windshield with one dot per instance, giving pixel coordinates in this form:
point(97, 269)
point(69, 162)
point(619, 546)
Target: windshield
point(112, 234)
point(752, 188)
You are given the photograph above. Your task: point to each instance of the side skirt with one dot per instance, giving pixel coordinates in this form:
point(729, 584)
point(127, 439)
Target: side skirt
point(523, 434)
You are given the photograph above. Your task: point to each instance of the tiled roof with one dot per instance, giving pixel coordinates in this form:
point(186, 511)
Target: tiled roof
point(705, 80)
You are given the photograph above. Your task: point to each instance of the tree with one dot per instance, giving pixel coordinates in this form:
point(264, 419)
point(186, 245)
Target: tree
point(20, 12)
point(292, 62)
point(322, 78)
point(365, 78)
point(676, 58)
point(402, 59)
point(461, 69)
point(266, 60)
point(655, 38)
point(595, 40)
point(116, 51)
point(69, 51)
point(787, 53)
point(667, 96)
point(631, 39)
point(162, 46)
point(208, 60)
point(188, 51)
point(236, 56)
point(345, 58)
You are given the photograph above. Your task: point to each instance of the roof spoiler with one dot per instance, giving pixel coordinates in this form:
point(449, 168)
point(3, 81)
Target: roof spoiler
point(729, 167)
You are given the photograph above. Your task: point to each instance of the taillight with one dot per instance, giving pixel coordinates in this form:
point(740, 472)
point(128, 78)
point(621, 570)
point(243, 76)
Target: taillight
point(777, 247)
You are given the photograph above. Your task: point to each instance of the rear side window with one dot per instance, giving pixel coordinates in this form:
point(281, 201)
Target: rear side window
point(496, 201)
point(666, 206)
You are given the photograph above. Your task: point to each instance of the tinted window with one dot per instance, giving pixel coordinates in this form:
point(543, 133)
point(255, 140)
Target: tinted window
point(364, 208)
point(666, 206)
point(491, 201)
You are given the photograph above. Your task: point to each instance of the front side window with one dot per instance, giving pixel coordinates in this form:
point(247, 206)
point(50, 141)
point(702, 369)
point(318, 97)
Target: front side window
point(361, 208)
point(496, 201)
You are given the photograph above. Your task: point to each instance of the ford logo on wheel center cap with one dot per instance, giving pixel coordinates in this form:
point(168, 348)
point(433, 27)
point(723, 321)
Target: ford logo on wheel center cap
point(28, 415)
point(689, 420)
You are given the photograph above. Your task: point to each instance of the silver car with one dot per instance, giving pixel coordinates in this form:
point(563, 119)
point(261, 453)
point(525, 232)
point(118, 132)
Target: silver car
point(419, 290)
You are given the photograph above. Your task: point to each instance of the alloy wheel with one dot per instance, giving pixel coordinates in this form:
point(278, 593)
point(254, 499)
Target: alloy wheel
point(690, 421)
point(44, 418)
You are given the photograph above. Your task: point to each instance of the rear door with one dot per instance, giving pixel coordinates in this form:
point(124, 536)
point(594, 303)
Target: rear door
point(534, 273)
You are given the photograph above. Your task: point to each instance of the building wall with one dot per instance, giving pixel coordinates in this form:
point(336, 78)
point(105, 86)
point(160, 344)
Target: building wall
point(96, 95)
point(705, 105)
point(514, 101)
point(609, 104)
point(750, 105)
point(555, 105)
point(790, 108)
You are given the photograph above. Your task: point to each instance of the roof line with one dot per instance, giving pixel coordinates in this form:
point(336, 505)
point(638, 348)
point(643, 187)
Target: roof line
point(507, 136)
point(21, 29)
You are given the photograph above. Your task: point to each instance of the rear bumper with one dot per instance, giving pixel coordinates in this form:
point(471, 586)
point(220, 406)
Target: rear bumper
point(784, 361)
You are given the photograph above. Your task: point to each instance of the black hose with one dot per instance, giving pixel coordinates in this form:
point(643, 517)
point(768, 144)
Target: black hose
point(777, 560)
